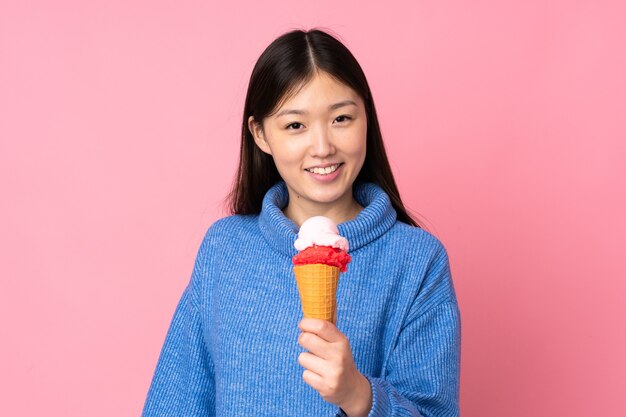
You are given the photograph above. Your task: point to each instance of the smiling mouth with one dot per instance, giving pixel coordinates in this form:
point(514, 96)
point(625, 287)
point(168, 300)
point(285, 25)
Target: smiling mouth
point(324, 171)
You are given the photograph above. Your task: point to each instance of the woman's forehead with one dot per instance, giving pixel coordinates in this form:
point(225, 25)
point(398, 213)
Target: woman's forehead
point(321, 90)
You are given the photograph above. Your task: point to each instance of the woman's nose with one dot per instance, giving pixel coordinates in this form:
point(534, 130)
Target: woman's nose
point(321, 143)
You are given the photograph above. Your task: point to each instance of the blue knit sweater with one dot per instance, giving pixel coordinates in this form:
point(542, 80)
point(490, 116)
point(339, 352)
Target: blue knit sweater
point(232, 348)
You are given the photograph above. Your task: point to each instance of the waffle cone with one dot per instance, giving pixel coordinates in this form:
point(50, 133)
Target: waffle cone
point(317, 284)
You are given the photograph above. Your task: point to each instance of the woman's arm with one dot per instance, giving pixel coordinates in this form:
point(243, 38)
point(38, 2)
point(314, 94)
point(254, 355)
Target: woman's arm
point(422, 374)
point(183, 382)
point(423, 369)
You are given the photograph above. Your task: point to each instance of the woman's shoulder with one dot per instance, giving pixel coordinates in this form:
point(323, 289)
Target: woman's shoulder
point(424, 254)
point(236, 226)
point(409, 236)
point(233, 222)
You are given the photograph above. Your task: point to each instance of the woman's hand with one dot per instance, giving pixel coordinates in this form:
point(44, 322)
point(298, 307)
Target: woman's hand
point(330, 369)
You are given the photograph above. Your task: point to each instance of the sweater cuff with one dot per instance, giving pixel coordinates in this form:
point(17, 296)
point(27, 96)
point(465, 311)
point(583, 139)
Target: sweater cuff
point(381, 406)
point(380, 401)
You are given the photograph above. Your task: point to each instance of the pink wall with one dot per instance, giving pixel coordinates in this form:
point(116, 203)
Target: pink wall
point(118, 138)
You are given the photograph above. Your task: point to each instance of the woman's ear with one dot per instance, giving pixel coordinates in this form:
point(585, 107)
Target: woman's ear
point(257, 133)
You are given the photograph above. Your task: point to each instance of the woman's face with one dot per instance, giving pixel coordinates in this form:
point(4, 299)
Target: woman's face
point(317, 139)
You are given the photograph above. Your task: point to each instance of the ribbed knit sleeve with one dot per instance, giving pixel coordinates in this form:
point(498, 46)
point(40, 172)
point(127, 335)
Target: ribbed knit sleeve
point(422, 377)
point(183, 382)
point(426, 357)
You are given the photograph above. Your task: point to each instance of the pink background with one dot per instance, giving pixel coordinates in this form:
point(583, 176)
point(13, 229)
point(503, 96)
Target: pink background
point(505, 125)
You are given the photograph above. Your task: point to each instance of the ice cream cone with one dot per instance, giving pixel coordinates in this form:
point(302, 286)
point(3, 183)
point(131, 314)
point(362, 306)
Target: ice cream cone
point(317, 284)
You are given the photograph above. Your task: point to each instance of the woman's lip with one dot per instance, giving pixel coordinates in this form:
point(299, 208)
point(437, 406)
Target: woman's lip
point(324, 165)
point(324, 178)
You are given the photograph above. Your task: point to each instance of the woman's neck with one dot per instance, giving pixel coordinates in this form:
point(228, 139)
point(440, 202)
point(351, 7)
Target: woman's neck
point(338, 212)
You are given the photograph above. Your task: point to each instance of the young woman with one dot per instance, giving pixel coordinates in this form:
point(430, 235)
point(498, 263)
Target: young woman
point(237, 345)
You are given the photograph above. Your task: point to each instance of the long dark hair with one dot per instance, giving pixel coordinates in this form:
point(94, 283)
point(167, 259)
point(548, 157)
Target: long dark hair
point(288, 63)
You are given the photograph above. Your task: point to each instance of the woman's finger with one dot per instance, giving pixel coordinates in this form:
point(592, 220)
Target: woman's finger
point(324, 329)
point(314, 380)
point(313, 363)
point(316, 345)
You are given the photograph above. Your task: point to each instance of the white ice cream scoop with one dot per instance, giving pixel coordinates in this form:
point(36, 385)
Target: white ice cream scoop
point(320, 231)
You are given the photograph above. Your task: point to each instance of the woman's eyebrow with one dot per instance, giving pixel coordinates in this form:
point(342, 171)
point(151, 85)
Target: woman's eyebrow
point(342, 104)
point(331, 107)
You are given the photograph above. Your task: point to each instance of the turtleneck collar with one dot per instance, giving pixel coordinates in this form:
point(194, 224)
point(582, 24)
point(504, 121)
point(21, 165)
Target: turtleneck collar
point(377, 216)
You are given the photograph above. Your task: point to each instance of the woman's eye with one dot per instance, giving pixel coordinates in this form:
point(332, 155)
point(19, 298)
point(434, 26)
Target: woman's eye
point(294, 126)
point(342, 118)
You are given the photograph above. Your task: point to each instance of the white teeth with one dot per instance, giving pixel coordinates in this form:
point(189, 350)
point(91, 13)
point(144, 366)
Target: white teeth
point(324, 171)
